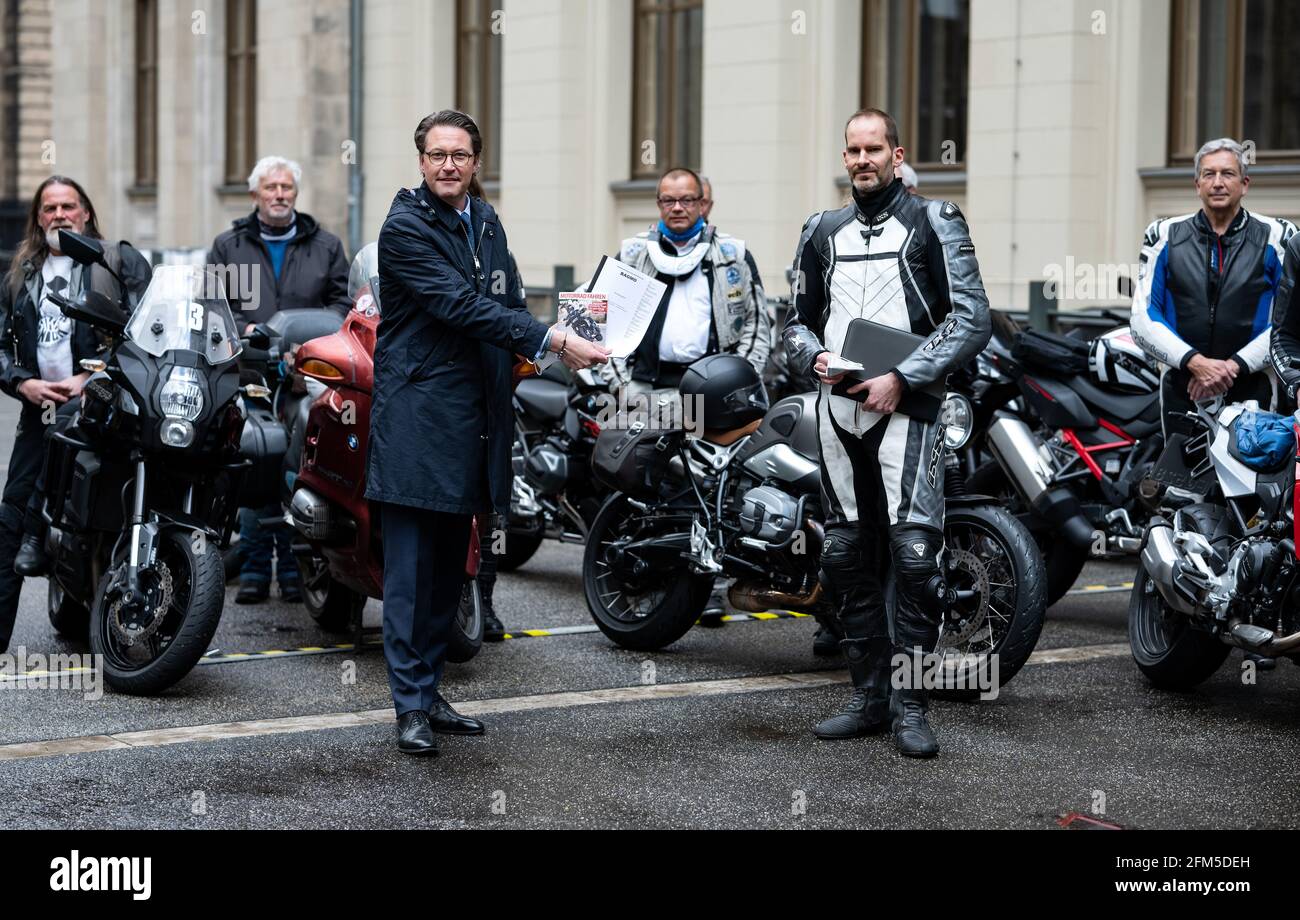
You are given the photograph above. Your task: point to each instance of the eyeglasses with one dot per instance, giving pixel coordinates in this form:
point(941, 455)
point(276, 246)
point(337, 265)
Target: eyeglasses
point(460, 159)
point(669, 203)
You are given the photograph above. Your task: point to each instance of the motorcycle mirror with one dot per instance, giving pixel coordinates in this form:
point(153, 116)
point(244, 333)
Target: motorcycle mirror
point(94, 308)
point(82, 249)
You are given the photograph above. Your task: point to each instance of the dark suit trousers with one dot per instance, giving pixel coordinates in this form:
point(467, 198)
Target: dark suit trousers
point(424, 573)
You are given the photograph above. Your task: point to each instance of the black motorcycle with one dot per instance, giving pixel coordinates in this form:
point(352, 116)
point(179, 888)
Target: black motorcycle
point(145, 484)
point(746, 505)
point(553, 494)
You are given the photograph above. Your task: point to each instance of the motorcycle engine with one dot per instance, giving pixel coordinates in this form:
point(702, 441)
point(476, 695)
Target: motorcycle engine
point(768, 514)
point(546, 469)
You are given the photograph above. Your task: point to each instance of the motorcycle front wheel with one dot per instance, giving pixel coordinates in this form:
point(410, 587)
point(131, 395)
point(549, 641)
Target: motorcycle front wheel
point(185, 591)
point(643, 611)
point(1167, 649)
point(994, 561)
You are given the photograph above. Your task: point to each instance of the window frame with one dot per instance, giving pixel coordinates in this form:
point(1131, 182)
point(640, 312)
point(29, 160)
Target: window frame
point(643, 12)
point(1181, 141)
point(146, 93)
point(907, 117)
point(241, 114)
point(488, 116)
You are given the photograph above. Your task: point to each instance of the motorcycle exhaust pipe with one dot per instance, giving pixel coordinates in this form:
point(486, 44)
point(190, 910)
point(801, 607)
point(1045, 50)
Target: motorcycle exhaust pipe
point(1023, 457)
point(1020, 453)
point(756, 600)
point(1160, 559)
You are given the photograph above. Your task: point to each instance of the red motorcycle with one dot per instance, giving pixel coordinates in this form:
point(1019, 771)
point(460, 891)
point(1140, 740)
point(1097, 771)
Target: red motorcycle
point(341, 556)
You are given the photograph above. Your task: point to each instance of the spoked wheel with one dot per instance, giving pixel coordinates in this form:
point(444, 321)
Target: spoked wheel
point(150, 644)
point(1063, 560)
point(998, 574)
point(642, 599)
point(330, 604)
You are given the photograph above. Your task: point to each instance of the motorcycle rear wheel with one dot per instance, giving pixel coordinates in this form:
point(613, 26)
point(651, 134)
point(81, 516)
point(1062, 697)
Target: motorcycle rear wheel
point(198, 595)
point(643, 618)
point(466, 637)
point(519, 549)
point(333, 606)
point(1167, 649)
point(69, 619)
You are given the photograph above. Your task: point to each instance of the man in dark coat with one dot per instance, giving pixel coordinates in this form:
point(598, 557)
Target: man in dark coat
point(276, 259)
point(441, 424)
point(41, 351)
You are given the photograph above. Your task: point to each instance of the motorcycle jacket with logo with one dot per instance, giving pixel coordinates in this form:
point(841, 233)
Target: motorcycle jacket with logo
point(1285, 350)
point(1201, 293)
point(910, 265)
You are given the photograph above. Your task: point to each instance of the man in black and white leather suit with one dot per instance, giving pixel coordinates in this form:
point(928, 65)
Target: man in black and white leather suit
point(906, 262)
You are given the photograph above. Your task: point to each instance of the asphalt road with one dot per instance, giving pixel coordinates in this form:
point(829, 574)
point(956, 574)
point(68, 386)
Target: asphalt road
point(713, 732)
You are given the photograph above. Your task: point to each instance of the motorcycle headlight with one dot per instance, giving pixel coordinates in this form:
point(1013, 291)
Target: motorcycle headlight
point(181, 396)
point(177, 432)
point(958, 419)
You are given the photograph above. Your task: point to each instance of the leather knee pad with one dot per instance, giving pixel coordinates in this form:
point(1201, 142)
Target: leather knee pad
point(853, 587)
point(918, 575)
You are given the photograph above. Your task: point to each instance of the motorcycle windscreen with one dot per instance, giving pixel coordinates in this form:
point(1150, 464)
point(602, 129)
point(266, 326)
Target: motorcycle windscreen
point(363, 278)
point(185, 309)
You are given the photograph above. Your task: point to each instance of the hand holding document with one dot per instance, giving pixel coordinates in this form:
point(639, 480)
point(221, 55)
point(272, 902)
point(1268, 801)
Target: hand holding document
point(615, 311)
point(838, 364)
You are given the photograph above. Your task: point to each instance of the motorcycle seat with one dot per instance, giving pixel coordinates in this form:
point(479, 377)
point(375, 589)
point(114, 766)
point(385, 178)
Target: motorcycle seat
point(544, 400)
point(1123, 407)
point(299, 326)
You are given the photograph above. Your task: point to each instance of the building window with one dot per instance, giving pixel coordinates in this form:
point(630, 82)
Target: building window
point(478, 76)
point(146, 92)
point(241, 89)
point(916, 66)
point(1216, 44)
point(667, 64)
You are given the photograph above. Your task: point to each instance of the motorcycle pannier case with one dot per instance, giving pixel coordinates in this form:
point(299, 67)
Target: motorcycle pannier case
point(264, 441)
point(633, 460)
point(1058, 355)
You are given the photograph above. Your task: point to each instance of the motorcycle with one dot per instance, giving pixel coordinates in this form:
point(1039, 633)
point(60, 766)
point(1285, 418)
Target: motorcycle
point(340, 558)
point(1219, 567)
point(148, 476)
point(272, 436)
point(553, 494)
point(1068, 446)
point(746, 505)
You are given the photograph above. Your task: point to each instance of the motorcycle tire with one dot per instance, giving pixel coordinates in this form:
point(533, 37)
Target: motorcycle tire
point(668, 618)
point(1062, 560)
point(466, 639)
point(204, 595)
point(69, 619)
point(333, 606)
point(1167, 649)
point(519, 549)
point(1028, 606)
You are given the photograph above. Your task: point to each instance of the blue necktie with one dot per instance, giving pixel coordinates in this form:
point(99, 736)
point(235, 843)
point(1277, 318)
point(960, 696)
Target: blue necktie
point(469, 229)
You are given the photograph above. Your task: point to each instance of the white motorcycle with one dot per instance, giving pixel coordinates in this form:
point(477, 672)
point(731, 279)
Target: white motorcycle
point(1219, 567)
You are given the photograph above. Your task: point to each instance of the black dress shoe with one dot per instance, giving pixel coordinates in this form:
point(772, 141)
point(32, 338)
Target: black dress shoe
point(31, 560)
point(414, 736)
point(493, 629)
point(252, 592)
point(446, 721)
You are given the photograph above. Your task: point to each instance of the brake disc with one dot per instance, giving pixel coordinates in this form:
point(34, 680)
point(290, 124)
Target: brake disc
point(957, 632)
point(157, 601)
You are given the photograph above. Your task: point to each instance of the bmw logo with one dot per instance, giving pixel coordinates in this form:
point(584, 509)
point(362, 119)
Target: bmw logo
point(353, 442)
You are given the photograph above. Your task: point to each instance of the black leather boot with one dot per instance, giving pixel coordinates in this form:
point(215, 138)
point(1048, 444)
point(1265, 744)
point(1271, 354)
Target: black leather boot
point(912, 733)
point(867, 711)
point(31, 560)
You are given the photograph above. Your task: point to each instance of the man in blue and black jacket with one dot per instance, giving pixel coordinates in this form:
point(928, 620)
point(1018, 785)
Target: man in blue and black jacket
point(1206, 286)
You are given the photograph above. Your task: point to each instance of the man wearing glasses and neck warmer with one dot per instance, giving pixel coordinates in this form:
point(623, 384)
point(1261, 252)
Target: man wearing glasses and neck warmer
point(715, 299)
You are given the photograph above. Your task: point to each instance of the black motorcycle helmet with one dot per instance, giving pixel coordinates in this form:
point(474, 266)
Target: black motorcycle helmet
point(729, 389)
